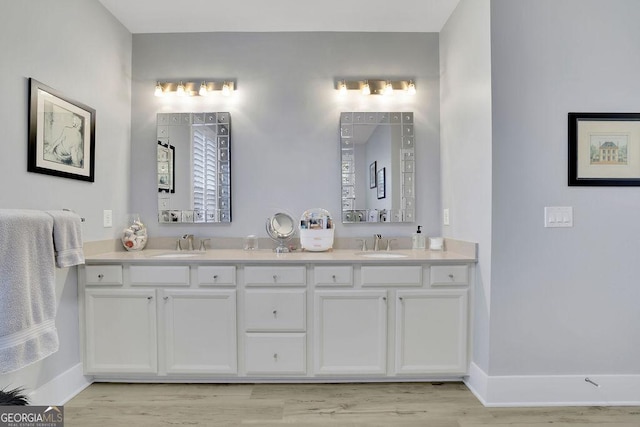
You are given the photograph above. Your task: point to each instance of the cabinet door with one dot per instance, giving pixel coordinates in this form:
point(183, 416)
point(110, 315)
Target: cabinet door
point(200, 331)
point(350, 329)
point(431, 332)
point(120, 331)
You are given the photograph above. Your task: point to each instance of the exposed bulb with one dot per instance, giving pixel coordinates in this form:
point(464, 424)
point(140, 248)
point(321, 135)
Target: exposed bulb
point(342, 87)
point(411, 89)
point(388, 89)
point(158, 91)
point(180, 90)
point(203, 89)
point(366, 90)
point(226, 90)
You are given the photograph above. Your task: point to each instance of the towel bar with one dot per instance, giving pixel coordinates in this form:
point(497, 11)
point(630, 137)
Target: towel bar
point(69, 210)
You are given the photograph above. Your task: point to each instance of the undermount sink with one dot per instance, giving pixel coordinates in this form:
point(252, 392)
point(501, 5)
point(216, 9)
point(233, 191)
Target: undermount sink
point(175, 255)
point(381, 255)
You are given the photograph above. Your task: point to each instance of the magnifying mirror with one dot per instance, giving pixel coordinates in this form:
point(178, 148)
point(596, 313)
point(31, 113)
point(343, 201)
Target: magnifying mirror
point(281, 228)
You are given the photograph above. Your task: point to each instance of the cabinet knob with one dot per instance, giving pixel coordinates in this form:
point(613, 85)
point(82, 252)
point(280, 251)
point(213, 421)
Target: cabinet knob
point(149, 298)
point(275, 356)
point(451, 276)
point(166, 298)
point(100, 276)
point(275, 313)
point(384, 298)
point(215, 277)
point(275, 277)
point(400, 298)
point(334, 277)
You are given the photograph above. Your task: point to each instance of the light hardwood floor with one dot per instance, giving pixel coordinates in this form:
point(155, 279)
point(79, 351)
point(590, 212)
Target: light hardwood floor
point(380, 404)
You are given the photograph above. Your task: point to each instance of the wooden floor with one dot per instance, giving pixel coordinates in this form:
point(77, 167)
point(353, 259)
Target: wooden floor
point(394, 404)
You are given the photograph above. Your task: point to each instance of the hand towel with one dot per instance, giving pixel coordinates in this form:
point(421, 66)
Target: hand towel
point(67, 238)
point(27, 289)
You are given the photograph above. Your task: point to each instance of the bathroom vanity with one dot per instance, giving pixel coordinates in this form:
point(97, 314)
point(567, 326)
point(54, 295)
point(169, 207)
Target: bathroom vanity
point(233, 315)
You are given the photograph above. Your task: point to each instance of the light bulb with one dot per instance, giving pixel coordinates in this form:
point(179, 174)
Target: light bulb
point(226, 90)
point(203, 90)
point(366, 90)
point(388, 89)
point(180, 90)
point(158, 91)
point(411, 89)
point(342, 87)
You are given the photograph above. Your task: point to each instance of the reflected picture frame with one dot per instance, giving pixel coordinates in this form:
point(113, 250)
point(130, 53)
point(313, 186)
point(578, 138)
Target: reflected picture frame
point(61, 134)
point(604, 149)
point(372, 175)
point(381, 183)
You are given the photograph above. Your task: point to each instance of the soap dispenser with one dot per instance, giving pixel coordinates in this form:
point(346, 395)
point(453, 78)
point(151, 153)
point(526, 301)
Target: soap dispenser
point(418, 241)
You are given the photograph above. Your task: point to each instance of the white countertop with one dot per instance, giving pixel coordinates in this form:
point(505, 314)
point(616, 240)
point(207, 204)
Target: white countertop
point(158, 256)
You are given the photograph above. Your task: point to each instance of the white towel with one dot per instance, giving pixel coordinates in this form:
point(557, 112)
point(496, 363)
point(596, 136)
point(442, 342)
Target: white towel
point(67, 238)
point(27, 289)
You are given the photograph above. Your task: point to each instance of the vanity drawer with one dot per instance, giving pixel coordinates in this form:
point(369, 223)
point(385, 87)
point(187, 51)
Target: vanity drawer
point(449, 275)
point(103, 274)
point(217, 275)
point(280, 276)
point(159, 275)
point(275, 310)
point(410, 275)
point(333, 276)
point(275, 353)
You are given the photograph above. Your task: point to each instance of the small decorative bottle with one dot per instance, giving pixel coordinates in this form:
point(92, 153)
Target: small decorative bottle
point(134, 236)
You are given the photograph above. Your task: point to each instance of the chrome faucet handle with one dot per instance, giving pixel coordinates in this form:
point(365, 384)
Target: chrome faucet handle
point(389, 243)
point(178, 245)
point(376, 241)
point(203, 246)
point(364, 244)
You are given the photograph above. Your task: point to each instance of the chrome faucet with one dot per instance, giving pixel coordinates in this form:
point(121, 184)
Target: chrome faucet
point(376, 241)
point(189, 240)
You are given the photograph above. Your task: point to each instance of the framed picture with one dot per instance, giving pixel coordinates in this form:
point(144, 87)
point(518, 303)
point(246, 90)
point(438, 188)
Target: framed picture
point(604, 149)
point(61, 134)
point(381, 183)
point(372, 175)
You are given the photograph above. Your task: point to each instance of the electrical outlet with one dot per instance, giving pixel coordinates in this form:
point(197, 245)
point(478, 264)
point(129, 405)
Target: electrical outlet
point(107, 218)
point(445, 216)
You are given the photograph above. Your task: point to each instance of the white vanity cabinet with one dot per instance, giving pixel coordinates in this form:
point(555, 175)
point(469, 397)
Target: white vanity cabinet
point(258, 316)
point(350, 332)
point(120, 331)
point(153, 323)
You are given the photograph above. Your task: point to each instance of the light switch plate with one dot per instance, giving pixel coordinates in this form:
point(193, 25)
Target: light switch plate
point(558, 216)
point(107, 218)
point(445, 216)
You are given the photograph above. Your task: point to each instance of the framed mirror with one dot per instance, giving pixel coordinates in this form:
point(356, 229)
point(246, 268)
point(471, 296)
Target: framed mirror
point(194, 167)
point(377, 166)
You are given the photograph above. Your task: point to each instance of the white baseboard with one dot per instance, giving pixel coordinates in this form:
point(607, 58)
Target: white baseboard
point(62, 388)
point(554, 390)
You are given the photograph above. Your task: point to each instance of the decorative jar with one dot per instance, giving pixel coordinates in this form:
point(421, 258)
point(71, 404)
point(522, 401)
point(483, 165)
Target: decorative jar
point(134, 235)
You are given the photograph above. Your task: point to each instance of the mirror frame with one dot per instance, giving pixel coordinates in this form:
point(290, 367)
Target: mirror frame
point(404, 172)
point(219, 147)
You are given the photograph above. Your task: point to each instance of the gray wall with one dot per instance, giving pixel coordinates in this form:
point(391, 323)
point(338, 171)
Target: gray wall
point(563, 301)
point(78, 48)
point(465, 136)
point(285, 118)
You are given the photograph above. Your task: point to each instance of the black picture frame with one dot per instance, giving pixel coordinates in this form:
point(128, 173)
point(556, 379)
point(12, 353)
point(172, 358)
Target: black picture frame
point(61, 134)
point(604, 149)
point(381, 183)
point(372, 175)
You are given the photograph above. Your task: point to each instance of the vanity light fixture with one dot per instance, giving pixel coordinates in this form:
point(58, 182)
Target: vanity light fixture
point(197, 88)
point(376, 86)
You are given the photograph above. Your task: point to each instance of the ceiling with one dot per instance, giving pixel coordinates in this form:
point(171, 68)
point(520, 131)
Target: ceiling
point(181, 16)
